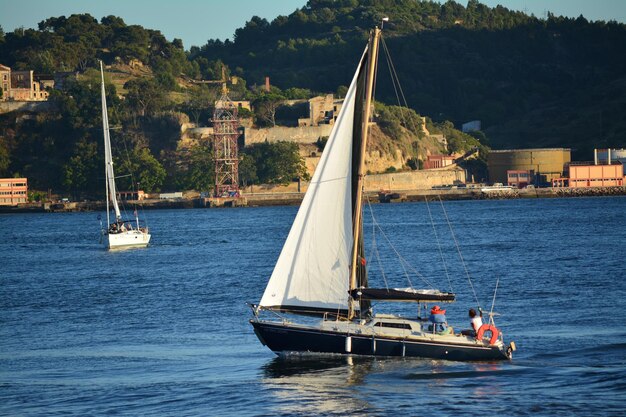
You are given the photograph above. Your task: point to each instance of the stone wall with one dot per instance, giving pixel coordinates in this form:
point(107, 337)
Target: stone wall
point(32, 106)
point(413, 180)
point(397, 181)
point(374, 161)
point(377, 162)
point(301, 135)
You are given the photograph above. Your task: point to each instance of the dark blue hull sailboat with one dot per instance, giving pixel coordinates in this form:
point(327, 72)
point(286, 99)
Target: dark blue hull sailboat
point(321, 270)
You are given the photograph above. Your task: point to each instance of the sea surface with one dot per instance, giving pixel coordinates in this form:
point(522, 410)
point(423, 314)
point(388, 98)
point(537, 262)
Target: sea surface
point(164, 331)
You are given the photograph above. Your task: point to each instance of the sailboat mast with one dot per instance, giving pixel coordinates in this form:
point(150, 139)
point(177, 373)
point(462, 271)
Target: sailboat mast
point(357, 226)
point(108, 155)
point(106, 148)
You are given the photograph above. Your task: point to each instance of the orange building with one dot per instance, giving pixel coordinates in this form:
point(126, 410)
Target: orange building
point(13, 191)
point(520, 178)
point(583, 175)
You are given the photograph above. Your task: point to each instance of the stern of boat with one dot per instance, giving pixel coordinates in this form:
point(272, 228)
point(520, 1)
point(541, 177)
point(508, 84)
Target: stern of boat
point(129, 239)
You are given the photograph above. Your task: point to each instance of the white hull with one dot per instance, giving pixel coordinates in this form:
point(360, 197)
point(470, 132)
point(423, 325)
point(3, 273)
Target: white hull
point(128, 239)
point(505, 188)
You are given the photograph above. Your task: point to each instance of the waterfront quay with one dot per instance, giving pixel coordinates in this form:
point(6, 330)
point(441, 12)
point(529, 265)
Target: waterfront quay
point(294, 198)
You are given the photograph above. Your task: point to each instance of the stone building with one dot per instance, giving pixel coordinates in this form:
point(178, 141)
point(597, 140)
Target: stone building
point(23, 85)
point(322, 110)
point(5, 79)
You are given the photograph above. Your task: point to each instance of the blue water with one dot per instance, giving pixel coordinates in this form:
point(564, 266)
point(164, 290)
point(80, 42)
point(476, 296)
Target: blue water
point(164, 330)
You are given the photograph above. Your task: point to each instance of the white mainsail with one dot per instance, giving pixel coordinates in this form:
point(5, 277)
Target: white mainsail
point(312, 272)
point(108, 156)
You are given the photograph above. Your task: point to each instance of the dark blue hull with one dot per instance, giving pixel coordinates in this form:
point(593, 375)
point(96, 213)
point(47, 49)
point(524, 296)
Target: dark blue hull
point(282, 338)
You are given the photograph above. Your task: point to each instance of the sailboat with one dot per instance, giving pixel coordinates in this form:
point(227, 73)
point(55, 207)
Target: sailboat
point(321, 270)
point(119, 234)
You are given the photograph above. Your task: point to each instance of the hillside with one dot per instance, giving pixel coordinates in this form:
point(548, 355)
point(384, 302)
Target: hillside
point(505, 68)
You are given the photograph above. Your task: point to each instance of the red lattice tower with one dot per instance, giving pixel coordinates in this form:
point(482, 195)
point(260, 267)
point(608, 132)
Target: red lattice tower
point(225, 134)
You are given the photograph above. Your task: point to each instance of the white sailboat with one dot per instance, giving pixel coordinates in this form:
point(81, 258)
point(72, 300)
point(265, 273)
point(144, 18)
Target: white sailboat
point(119, 234)
point(321, 268)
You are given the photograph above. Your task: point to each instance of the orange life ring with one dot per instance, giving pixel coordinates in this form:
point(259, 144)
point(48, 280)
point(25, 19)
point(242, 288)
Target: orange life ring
point(495, 333)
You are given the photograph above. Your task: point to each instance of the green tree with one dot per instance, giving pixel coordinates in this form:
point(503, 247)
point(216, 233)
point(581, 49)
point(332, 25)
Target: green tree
point(81, 172)
point(247, 170)
point(265, 105)
point(201, 100)
point(297, 93)
point(277, 163)
point(131, 42)
point(5, 158)
point(200, 172)
point(341, 92)
point(140, 166)
point(144, 96)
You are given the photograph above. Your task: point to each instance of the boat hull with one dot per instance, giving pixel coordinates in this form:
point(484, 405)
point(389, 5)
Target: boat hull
point(129, 239)
point(280, 337)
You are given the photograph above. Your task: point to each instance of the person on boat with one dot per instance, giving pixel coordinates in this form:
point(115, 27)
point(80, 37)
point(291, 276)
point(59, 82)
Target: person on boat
point(475, 322)
point(439, 322)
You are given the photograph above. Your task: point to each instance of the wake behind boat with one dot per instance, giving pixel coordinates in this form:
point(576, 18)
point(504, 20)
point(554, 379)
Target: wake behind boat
point(119, 234)
point(321, 270)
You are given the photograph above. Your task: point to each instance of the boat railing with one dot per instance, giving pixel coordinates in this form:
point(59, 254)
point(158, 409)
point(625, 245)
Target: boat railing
point(256, 311)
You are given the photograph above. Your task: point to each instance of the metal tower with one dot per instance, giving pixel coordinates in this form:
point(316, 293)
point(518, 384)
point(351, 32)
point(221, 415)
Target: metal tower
point(225, 134)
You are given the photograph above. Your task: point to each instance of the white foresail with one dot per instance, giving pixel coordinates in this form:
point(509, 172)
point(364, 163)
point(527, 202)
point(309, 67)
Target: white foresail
point(312, 272)
point(108, 156)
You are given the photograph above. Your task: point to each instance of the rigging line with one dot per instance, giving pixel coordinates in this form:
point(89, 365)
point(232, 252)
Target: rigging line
point(121, 202)
point(395, 79)
point(406, 104)
point(493, 302)
point(443, 261)
point(132, 179)
point(375, 246)
point(404, 261)
point(402, 264)
point(395, 82)
point(459, 252)
point(382, 269)
point(395, 74)
point(132, 184)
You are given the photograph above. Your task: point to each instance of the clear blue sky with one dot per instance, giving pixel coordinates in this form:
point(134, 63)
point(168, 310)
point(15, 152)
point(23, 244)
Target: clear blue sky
point(196, 21)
